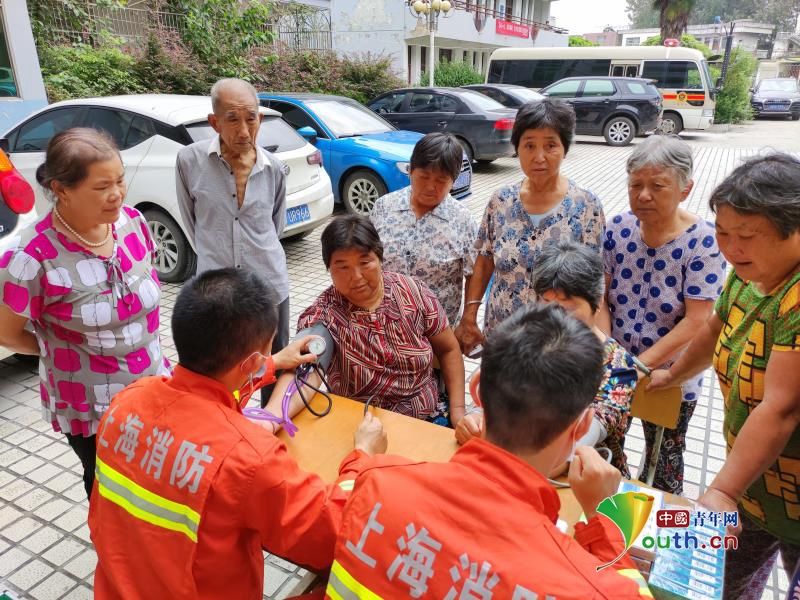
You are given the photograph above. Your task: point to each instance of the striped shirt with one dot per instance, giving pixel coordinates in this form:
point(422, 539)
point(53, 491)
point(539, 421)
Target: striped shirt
point(385, 353)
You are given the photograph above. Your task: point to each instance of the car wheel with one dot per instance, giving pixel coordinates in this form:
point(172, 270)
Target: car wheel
point(467, 149)
point(671, 124)
point(486, 161)
point(796, 117)
point(619, 131)
point(361, 190)
point(175, 260)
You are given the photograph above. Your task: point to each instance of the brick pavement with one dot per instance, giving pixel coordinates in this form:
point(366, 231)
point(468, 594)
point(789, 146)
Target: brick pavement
point(45, 551)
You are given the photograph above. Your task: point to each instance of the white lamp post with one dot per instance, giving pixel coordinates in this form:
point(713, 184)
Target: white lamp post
point(431, 9)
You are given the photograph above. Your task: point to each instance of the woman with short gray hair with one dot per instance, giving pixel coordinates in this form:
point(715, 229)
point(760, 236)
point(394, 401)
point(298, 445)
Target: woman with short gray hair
point(752, 340)
point(663, 273)
point(571, 275)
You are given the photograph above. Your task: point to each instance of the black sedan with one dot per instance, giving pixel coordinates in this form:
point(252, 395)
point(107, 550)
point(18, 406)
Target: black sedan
point(776, 97)
point(618, 108)
point(482, 125)
point(510, 96)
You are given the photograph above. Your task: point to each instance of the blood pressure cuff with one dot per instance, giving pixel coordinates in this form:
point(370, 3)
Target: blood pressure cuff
point(319, 330)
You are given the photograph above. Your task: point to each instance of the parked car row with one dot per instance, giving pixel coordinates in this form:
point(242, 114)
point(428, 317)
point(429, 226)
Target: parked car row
point(336, 149)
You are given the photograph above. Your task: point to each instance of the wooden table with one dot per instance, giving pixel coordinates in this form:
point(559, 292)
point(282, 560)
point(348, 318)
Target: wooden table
point(321, 443)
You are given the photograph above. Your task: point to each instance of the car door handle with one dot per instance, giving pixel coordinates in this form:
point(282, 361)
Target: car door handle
point(441, 123)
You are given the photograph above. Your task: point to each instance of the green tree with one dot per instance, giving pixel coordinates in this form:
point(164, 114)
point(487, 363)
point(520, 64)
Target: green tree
point(733, 101)
point(687, 41)
point(577, 40)
point(220, 32)
point(641, 14)
point(673, 17)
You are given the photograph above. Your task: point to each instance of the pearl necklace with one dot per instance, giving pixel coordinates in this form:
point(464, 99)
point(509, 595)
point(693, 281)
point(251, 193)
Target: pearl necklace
point(80, 238)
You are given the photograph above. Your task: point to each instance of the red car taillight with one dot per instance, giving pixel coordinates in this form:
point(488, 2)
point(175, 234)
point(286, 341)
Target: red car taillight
point(315, 159)
point(504, 124)
point(17, 193)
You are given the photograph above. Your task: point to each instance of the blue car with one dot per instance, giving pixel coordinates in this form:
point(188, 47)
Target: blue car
point(364, 155)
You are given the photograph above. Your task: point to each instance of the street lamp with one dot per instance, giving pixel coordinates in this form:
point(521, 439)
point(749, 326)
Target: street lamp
point(431, 9)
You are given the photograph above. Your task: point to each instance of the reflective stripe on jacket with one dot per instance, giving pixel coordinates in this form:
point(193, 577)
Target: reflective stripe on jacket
point(188, 491)
point(479, 526)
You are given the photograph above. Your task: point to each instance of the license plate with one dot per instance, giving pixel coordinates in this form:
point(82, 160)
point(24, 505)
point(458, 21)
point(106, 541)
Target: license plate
point(463, 180)
point(298, 214)
point(777, 107)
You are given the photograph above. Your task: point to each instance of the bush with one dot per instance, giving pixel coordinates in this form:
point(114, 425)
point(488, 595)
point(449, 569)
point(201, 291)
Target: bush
point(733, 101)
point(166, 66)
point(452, 74)
point(79, 71)
point(360, 78)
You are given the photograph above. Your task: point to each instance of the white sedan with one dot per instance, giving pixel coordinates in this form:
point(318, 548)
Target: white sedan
point(150, 130)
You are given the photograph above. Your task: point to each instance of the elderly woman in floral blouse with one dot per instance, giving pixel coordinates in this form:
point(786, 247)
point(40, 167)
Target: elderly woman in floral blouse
point(426, 233)
point(520, 219)
point(571, 275)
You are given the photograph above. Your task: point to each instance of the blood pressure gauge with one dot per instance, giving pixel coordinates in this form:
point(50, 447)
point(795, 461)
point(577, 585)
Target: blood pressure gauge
point(317, 346)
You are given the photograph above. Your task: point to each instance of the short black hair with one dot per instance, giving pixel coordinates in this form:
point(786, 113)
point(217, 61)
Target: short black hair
point(572, 269)
point(221, 317)
point(438, 151)
point(766, 185)
point(540, 369)
point(350, 231)
point(543, 114)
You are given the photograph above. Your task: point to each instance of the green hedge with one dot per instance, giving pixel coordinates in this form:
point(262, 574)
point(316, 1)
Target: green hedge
point(166, 65)
point(452, 74)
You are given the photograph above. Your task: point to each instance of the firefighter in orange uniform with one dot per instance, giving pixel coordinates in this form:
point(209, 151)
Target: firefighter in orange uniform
point(188, 490)
point(498, 537)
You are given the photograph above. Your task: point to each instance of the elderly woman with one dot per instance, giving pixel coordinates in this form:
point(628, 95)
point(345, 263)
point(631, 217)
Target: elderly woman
point(387, 329)
point(520, 219)
point(425, 232)
point(83, 277)
point(663, 273)
point(571, 275)
point(753, 342)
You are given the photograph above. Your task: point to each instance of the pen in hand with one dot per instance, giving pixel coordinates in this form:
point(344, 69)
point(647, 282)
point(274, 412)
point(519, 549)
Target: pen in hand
point(367, 403)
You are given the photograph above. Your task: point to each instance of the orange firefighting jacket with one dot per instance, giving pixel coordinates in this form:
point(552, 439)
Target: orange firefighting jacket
point(188, 492)
point(480, 526)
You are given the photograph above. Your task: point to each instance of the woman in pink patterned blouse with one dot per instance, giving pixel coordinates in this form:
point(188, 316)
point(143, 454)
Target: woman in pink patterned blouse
point(83, 278)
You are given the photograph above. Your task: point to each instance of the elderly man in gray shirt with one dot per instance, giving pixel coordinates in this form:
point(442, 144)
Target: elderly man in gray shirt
point(232, 197)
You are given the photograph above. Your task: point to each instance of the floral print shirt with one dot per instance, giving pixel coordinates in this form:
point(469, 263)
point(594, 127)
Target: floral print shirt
point(438, 249)
point(612, 403)
point(649, 286)
point(96, 319)
point(514, 241)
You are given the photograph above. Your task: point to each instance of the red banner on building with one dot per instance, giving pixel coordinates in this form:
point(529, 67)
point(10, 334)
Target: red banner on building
point(509, 28)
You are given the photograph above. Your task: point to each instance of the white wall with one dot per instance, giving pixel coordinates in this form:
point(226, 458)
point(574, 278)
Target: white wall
point(25, 61)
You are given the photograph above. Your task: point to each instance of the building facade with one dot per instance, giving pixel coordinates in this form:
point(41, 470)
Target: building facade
point(21, 87)
point(470, 32)
point(749, 35)
point(608, 37)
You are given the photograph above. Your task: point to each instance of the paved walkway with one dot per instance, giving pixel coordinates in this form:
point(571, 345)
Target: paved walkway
point(45, 552)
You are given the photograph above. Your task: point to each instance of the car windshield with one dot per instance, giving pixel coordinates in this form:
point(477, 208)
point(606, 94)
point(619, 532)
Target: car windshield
point(524, 94)
point(348, 119)
point(275, 135)
point(778, 85)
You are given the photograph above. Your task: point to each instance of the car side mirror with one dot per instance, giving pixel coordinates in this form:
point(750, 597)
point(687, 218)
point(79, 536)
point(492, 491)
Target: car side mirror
point(4, 145)
point(752, 90)
point(718, 83)
point(308, 133)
